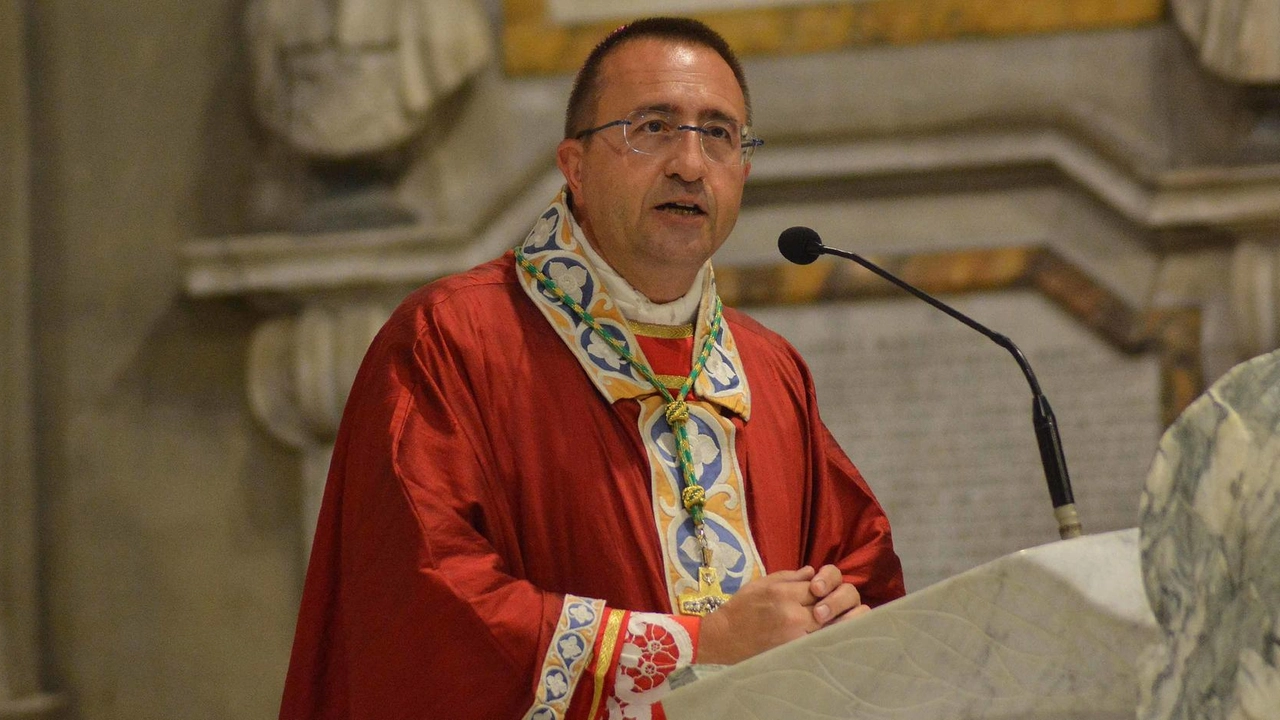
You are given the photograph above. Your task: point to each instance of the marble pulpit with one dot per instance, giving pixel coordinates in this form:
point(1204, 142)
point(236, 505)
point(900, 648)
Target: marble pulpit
point(1179, 618)
point(1051, 632)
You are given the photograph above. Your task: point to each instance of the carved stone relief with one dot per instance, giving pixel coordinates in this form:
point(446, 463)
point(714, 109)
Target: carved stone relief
point(348, 78)
point(1237, 39)
point(349, 86)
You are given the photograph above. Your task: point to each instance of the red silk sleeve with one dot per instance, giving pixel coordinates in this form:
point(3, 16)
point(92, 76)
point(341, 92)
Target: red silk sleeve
point(410, 603)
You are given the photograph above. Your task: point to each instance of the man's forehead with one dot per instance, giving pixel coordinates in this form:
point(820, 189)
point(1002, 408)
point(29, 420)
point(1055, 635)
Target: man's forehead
point(679, 75)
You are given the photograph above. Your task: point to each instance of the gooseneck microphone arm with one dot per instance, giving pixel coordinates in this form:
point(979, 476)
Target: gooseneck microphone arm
point(802, 246)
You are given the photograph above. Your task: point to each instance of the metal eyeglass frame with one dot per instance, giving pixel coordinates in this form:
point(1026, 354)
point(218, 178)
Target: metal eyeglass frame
point(749, 143)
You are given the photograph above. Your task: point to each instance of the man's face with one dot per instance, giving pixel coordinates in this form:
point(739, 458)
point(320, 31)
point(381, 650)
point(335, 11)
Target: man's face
point(657, 218)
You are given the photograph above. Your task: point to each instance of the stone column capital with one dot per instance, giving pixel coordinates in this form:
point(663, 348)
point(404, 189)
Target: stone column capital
point(300, 369)
point(1255, 292)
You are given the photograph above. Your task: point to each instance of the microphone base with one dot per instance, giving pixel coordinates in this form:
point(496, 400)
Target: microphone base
point(1068, 521)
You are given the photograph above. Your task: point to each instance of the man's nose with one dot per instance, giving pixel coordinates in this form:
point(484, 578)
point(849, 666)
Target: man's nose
point(687, 161)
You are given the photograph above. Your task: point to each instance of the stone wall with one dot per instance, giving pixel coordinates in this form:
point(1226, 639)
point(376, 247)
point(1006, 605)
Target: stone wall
point(21, 685)
point(167, 538)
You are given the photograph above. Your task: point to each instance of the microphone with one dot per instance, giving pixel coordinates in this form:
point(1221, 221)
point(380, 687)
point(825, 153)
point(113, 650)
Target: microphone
point(801, 245)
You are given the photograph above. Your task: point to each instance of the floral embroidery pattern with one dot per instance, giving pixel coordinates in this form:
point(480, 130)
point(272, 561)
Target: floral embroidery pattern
point(656, 646)
point(570, 278)
point(722, 371)
point(566, 657)
point(715, 465)
point(725, 556)
point(702, 446)
point(554, 248)
point(601, 350)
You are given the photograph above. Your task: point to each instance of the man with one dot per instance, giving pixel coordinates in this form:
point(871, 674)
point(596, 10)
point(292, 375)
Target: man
point(567, 472)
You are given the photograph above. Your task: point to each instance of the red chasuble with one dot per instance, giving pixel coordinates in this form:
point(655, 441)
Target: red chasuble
point(492, 542)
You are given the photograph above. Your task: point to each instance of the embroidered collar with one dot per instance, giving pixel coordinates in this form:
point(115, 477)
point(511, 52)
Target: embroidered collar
point(552, 247)
point(634, 305)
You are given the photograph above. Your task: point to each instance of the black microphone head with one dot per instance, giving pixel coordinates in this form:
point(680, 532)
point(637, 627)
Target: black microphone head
point(800, 245)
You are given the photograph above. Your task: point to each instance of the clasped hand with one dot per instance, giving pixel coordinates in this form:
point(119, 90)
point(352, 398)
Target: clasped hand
point(775, 609)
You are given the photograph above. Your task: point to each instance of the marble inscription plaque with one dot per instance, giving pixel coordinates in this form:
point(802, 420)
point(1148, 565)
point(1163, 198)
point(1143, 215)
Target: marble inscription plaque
point(938, 419)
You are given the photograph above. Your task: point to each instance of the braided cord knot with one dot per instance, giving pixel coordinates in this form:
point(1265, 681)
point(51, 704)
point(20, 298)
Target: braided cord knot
point(693, 496)
point(677, 412)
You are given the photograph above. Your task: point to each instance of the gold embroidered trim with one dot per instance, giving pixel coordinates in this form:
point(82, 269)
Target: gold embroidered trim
point(568, 655)
point(604, 661)
point(671, 381)
point(662, 332)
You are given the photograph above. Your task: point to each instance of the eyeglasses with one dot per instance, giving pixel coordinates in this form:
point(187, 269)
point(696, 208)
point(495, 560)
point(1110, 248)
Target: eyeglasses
point(654, 132)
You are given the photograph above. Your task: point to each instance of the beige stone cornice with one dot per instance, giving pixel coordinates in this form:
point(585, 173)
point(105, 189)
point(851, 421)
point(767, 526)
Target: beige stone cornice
point(1167, 200)
point(1224, 198)
point(283, 263)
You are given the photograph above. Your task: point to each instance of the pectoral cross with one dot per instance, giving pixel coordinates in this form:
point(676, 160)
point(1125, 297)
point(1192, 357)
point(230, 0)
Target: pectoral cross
point(708, 597)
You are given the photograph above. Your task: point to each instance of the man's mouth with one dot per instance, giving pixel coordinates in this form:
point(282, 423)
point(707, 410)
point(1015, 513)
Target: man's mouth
point(682, 208)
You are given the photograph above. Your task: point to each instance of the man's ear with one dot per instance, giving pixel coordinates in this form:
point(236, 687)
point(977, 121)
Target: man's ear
point(746, 170)
point(569, 159)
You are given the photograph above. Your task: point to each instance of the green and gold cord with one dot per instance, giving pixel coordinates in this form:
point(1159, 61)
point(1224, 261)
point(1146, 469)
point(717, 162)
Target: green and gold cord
point(677, 414)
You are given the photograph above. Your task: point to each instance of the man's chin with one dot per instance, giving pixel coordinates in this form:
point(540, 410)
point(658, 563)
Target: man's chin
point(682, 254)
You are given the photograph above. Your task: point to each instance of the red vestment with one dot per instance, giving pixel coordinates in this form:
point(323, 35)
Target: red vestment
point(479, 480)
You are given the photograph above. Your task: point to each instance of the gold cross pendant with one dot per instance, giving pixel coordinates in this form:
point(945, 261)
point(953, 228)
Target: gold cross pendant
point(708, 597)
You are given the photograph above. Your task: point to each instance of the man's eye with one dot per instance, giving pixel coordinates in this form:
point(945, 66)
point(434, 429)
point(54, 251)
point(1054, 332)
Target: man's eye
point(654, 126)
point(719, 132)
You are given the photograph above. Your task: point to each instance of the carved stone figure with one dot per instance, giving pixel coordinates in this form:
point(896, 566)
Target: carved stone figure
point(1237, 39)
point(344, 78)
point(1210, 543)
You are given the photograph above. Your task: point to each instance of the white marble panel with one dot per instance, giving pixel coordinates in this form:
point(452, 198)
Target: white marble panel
point(1210, 546)
point(1052, 632)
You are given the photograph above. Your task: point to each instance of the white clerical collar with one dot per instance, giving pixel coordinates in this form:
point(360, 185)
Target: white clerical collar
point(633, 303)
